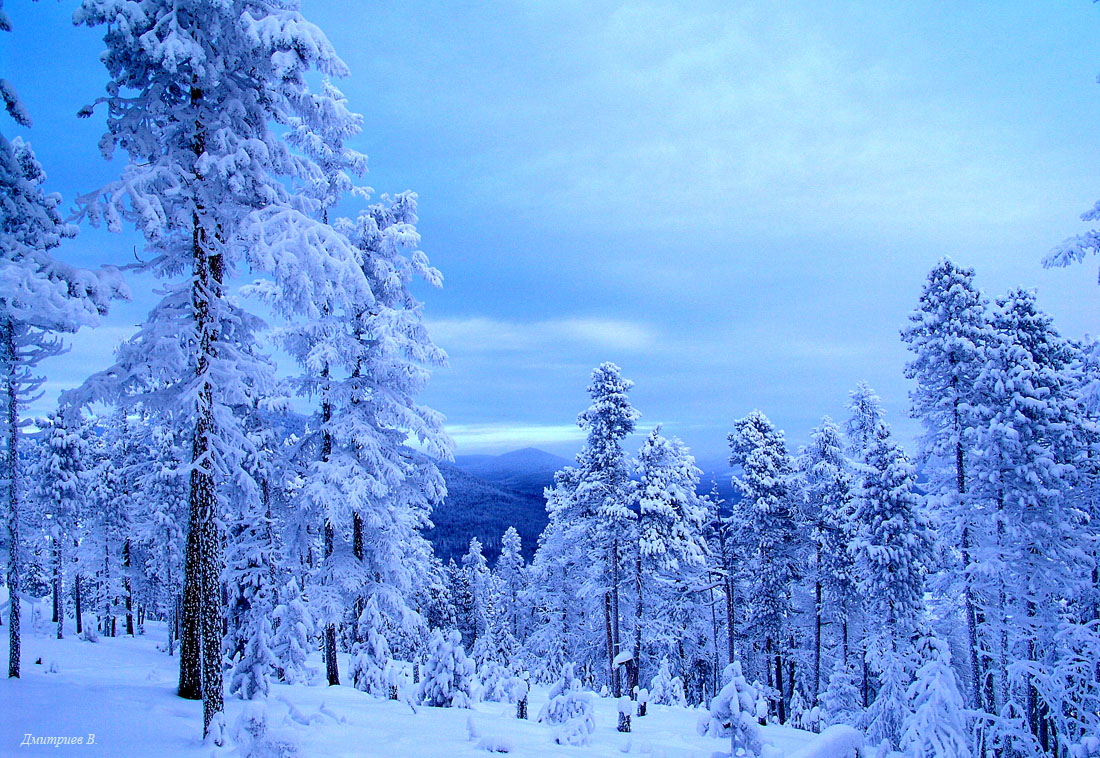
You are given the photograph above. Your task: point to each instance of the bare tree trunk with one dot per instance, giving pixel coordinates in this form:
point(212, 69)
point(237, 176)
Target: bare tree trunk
point(844, 638)
point(782, 711)
point(615, 611)
point(11, 357)
point(716, 673)
point(611, 678)
point(203, 607)
point(190, 684)
point(332, 669)
point(58, 589)
point(968, 592)
point(728, 586)
point(128, 588)
point(77, 605)
point(636, 670)
point(817, 634)
point(54, 590)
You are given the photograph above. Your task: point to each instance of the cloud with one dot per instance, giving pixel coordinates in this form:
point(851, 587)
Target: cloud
point(485, 334)
point(472, 438)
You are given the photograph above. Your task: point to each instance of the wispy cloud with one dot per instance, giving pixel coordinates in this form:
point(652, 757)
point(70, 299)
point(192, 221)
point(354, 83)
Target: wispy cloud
point(484, 334)
point(476, 438)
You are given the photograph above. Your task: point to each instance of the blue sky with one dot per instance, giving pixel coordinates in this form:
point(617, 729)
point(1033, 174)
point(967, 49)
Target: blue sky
point(736, 202)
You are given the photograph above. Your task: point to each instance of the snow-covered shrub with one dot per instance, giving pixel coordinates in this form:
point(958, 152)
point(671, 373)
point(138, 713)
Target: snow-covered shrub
point(838, 741)
point(393, 679)
point(250, 674)
point(666, 689)
point(802, 716)
point(566, 699)
point(570, 709)
point(371, 653)
point(448, 677)
point(625, 706)
point(935, 727)
point(840, 703)
point(489, 742)
point(890, 709)
point(520, 689)
point(294, 629)
point(643, 701)
point(797, 709)
point(253, 738)
point(496, 682)
point(734, 713)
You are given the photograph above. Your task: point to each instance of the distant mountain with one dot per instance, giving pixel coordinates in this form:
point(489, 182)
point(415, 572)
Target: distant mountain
point(527, 471)
point(475, 507)
point(488, 493)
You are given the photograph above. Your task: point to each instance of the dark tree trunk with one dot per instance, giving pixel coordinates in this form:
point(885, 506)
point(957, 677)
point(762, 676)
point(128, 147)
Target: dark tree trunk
point(615, 612)
point(203, 607)
point(817, 637)
point(728, 586)
point(635, 670)
point(11, 357)
point(844, 639)
point(55, 590)
point(611, 677)
point(127, 587)
point(716, 673)
point(332, 670)
point(59, 590)
point(77, 605)
point(781, 710)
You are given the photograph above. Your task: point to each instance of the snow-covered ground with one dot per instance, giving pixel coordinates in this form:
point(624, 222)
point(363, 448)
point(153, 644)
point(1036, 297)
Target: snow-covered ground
point(122, 691)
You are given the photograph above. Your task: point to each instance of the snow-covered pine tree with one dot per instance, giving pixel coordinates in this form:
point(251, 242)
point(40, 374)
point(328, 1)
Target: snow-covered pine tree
point(723, 535)
point(670, 521)
point(60, 483)
point(947, 335)
point(449, 678)
point(605, 494)
point(109, 528)
point(161, 524)
point(570, 709)
point(433, 597)
point(826, 501)
point(865, 415)
point(666, 689)
point(210, 184)
point(841, 700)
point(458, 582)
point(476, 571)
point(495, 649)
point(366, 361)
point(249, 582)
point(1028, 446)
point(557, 635)
point(371, 654)
point(935, 727)
point(40, 297)
point(758, 449)
point(892, 550)
point(734, 713)
point(511, 576)
point(294, 630)
point(885, 719)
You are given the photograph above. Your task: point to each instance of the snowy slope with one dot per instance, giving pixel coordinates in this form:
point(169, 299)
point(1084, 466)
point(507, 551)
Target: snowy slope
point(123, 691)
